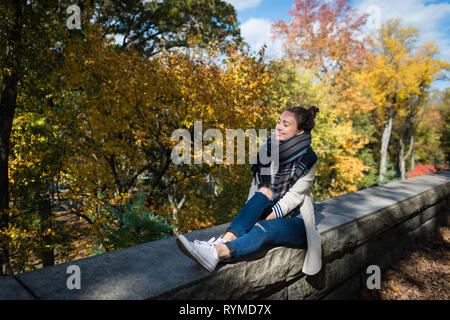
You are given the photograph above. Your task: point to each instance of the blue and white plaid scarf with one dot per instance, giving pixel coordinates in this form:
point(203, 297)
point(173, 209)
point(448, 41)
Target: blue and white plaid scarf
point(296, 158)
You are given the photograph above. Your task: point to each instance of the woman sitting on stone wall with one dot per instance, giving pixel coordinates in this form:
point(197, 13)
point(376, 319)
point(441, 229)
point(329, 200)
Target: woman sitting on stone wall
point(279, 209)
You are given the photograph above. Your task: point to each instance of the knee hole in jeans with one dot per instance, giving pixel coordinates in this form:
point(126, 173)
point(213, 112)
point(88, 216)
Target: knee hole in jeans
point(262, 228)
point(267, 192)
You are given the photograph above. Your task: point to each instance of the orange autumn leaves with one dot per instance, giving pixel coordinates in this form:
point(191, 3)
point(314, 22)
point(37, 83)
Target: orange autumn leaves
point(320, 39)
point(360, 78)
point(124, 117)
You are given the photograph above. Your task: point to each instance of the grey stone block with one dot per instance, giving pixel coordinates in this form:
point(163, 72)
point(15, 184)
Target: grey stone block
point(371, 200)
point(429, 213)
point(255, 276)
point(369, 224)
point(381, 251)
point(331, 275)
point(426, 228)
point(138, 272)
point(339, 240)
point(326, 218)
point(10, 289)
point(346, 290)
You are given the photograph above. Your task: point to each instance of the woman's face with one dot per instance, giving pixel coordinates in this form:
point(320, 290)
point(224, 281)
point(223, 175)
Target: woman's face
point(287, 126)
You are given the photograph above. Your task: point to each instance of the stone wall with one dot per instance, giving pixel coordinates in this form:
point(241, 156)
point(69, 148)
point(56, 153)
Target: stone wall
point(369, 227)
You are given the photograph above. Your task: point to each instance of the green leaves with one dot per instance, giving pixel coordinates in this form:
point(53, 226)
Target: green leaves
point(152, 25)
point(132, 224)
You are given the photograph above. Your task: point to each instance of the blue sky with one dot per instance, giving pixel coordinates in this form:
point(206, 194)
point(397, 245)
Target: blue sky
point(430, 17)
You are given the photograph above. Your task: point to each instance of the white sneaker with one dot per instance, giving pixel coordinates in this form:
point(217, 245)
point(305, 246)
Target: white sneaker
point(213, 240)
point(204, 253)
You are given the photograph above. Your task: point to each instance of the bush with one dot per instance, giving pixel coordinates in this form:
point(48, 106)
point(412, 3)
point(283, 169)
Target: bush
point(422, 169)
point(130, 225)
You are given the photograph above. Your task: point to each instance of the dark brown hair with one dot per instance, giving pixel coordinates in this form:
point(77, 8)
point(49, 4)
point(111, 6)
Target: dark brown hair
point(304, 117)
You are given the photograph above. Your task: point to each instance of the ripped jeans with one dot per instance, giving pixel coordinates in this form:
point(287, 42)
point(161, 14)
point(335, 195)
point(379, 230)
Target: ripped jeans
point(250, 236)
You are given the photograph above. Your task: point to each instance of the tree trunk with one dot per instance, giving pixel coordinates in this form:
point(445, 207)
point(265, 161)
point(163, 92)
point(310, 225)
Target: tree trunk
point(175, 207)
point(403, 157)
point(409, 130)
point(8, 99)
point(45, 213)
point(9, 93)
point(385, 144)
point(412, 164)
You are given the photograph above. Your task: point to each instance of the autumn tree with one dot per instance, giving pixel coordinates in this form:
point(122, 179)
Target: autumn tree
point(322, 40)
point(33, 43)
point(445, 130)
point(432, 130)
point(322, 37)
point(27, 39)
point(121, 109)
point(399, 74)
point(150, 26)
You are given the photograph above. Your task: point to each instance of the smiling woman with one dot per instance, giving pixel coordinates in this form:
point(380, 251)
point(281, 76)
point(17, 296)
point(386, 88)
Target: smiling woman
point(294, 121)
point(272, 214)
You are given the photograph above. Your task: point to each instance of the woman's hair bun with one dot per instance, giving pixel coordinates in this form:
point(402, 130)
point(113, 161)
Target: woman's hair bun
point(304, 117)
point(313, 111)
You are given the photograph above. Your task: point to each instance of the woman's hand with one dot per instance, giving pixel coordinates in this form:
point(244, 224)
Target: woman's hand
point(271, 216)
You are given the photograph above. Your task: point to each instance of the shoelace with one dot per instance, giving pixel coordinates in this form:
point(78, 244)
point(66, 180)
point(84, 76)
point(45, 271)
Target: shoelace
point(209, 242)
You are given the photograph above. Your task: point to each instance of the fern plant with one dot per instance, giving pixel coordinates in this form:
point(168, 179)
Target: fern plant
point(131, 225)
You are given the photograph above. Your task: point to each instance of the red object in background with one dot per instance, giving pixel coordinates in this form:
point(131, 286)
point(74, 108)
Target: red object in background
point(422, 169)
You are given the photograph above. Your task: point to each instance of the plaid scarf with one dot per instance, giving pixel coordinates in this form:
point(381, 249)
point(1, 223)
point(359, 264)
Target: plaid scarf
point(296, 158)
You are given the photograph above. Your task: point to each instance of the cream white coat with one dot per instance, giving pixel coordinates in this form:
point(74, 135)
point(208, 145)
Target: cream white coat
point(301, 193)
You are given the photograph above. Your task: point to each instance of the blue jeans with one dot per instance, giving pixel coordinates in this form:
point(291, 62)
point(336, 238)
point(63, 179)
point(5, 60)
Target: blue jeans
point(250, 237)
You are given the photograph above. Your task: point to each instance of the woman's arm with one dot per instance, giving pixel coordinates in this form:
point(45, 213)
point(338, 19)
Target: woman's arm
point(271, 216)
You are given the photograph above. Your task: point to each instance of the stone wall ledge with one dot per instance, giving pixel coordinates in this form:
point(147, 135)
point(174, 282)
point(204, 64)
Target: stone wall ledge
point(352, 226)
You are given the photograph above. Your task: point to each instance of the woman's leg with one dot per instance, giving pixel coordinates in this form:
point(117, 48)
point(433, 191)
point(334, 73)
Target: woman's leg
point(286, 231)
point(249, 214)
